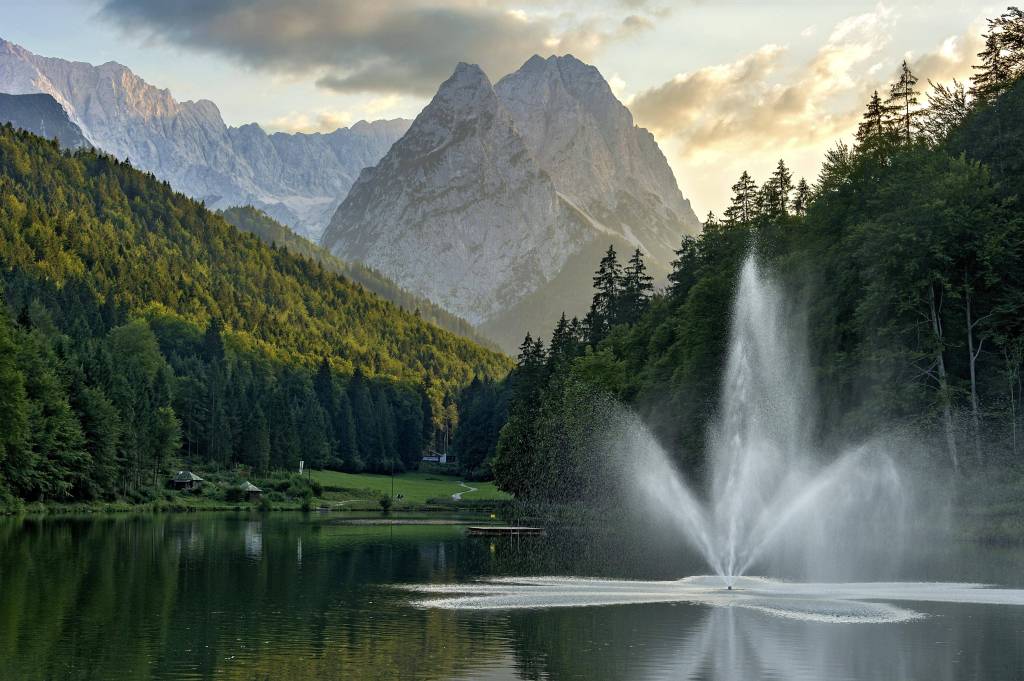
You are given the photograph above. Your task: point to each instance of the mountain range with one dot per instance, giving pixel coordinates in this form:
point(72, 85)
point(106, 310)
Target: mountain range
point(495, 203)
point(299, 179)
point(499, 198)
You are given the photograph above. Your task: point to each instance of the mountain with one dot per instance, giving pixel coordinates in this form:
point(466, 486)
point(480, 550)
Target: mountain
point(459, 210)
point(41, 115)
point(611, 169)
point(255, 221)
point(156, 252)
point(496, 198)
point(299, 178)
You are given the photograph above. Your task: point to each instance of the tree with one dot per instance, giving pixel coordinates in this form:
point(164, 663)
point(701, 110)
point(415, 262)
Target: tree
point(742, 208)
point(605, 304)
point(637, 288)
point(1002, 59)
point(872, 133)
point(217, 436)
point(684, 267)
point(13, 402)
point(801, 198)
point(901, 106)
point(947, 109)
point(781, 184)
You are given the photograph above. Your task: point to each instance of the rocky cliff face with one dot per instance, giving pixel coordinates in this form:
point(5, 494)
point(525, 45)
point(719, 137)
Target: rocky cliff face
point(459, 210)
point(299, 179)
point(587, 142)
point(41, 115)
point(494, 189)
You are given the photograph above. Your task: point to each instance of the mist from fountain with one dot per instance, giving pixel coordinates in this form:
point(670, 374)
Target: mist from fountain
point(768, 484)
point(773, 500)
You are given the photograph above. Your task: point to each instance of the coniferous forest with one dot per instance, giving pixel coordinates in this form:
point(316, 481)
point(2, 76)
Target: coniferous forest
point(906, 256)
point(141, 331)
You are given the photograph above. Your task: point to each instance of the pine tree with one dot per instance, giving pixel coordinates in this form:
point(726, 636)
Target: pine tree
point(901, 106)
point(742, 208)
point(562, 349)
point(13, 404)
point(1002, 59)
point(872, 133)
point(684, 267)
point(217, 436)
point(637, 287)
point(607, 287)
point(347, 446)
point(782, 184)
point(801, 198)
point(366, 420)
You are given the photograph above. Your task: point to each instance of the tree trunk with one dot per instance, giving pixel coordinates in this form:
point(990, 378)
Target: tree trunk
point(972, 357)
point(940, 363)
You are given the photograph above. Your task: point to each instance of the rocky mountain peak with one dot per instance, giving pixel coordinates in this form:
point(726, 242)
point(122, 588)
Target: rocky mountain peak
point(492, 190)
point(298, 179)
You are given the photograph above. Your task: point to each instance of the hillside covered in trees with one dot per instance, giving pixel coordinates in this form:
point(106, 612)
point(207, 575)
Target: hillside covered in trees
point(255, 221)
point(140, 329)
point(905, 260)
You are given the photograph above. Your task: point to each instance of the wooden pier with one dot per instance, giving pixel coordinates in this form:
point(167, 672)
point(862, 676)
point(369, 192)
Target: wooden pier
point(503, 530)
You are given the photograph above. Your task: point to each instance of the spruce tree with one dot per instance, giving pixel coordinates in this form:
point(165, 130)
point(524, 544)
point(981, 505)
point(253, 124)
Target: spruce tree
point(1002, 59)
point(871, 133)
point(782, 183)
point(607, 287)
point(684, 267)
point(901, 106)
point(743, 207)
point(637, 287)
point(801, 197)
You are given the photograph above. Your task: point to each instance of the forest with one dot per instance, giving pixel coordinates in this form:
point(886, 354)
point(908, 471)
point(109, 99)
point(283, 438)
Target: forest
point(255, 221)
point(906, 258)
point(140, 331)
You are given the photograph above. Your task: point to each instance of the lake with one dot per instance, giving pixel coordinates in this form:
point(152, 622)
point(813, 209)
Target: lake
point(253, 597)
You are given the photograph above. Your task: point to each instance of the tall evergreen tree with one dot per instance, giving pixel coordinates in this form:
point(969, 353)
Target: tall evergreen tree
point(782, 185)
point(1002, 59)
point(801, 197)
point(901, 106)
point(743, 206)
point(637, 288)
point(13, 402)
point(872, 132)
point(607, 288)
point(684, 267)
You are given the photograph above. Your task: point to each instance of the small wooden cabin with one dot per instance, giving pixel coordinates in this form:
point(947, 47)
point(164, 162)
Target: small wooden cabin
point(186, 480)
point(251, 491)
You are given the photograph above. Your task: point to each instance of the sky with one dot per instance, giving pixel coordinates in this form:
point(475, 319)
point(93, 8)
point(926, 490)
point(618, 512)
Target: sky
point(725, 85)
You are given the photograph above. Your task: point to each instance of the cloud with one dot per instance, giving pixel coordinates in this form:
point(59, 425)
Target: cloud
point(323, 120)
point(765, 104)
point(405, 46)
point(952, 59)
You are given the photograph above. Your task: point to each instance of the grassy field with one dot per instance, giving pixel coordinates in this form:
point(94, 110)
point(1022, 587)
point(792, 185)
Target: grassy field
point(415, 488)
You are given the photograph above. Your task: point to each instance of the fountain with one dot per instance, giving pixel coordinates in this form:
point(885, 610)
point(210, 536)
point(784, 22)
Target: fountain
point(768, 483)
point(773, 499)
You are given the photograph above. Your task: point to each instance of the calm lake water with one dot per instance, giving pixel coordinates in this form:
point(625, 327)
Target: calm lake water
point(288, 596)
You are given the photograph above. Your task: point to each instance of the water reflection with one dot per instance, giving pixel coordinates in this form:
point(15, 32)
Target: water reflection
point(286, 597)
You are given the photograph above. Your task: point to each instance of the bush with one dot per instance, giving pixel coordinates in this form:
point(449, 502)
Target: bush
point(266, 505)
point(385, 503)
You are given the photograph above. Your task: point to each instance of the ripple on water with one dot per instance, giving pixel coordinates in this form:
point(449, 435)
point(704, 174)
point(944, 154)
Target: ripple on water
point(848, 602)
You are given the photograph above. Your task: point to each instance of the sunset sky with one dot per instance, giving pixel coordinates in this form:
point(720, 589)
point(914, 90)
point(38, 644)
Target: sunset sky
point(725, 86)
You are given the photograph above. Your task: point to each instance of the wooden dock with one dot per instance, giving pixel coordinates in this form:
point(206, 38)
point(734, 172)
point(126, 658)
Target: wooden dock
point(502, 530)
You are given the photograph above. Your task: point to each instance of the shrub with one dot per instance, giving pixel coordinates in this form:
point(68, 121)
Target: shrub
point(385, 503)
